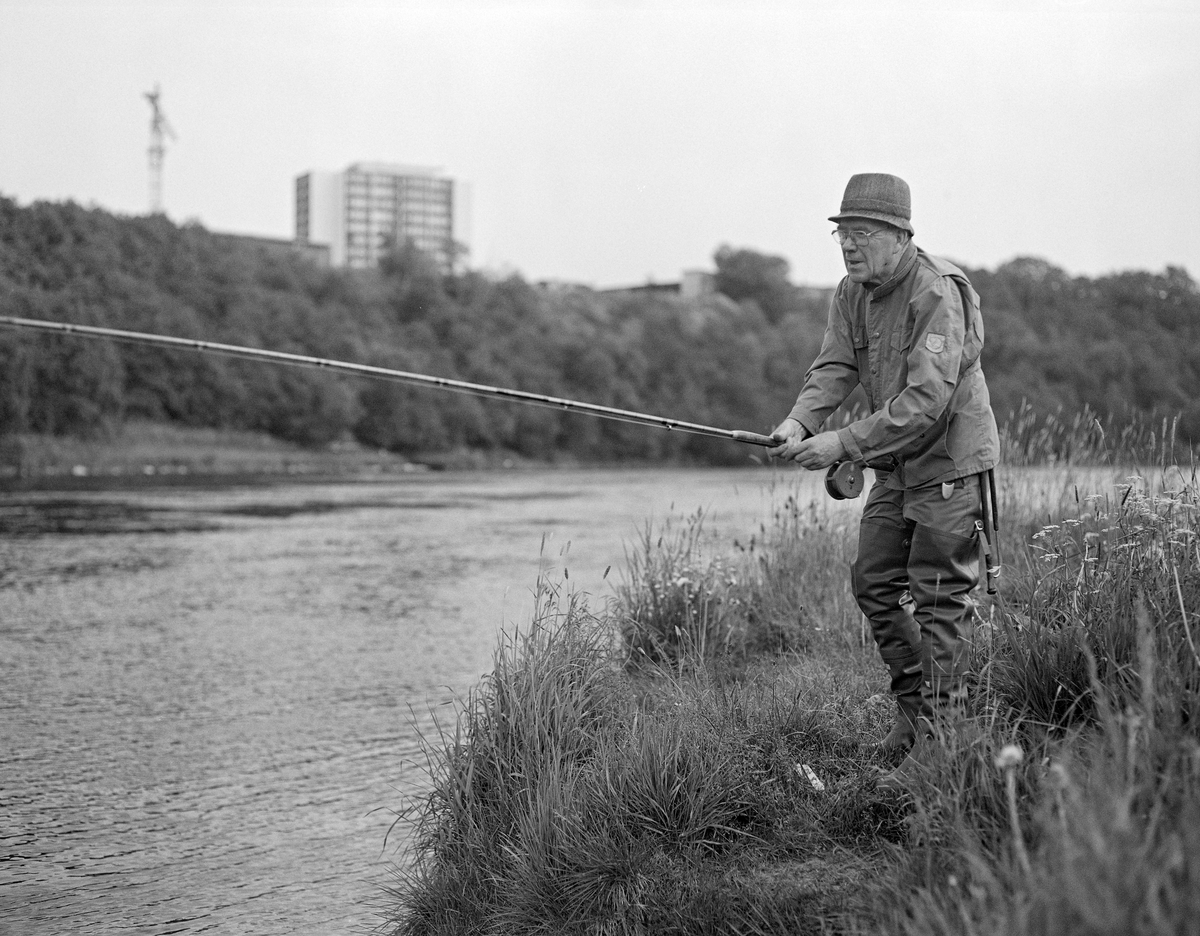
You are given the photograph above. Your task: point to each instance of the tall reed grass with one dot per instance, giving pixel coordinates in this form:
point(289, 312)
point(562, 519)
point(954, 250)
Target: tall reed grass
point(1089, 438)
point(1085, 582)
point(687, 602)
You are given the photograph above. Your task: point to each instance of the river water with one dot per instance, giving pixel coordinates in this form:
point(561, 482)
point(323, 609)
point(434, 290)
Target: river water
point(210, 696)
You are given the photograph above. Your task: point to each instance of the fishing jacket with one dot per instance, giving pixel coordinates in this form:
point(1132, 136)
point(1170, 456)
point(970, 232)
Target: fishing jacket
point(913, 344)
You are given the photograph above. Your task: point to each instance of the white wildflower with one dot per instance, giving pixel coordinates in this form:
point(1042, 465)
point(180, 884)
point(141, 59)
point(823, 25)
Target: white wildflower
point(1010, 756)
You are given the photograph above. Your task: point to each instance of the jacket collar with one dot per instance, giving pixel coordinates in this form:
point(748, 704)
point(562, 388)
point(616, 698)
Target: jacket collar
point(907, 259)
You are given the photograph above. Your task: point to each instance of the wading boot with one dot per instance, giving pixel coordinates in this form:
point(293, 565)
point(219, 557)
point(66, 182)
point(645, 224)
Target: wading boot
point(904, 777)
point(906, 688)
point(943, 721)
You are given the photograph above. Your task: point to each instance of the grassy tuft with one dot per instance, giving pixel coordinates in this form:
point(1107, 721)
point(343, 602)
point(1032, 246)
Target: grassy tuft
point(678, 605)
point(566, 798)
point(571, 797)
point(501, 775)
point(684, 605)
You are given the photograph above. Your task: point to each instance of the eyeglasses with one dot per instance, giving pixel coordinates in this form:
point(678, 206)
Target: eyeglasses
point(860, 238)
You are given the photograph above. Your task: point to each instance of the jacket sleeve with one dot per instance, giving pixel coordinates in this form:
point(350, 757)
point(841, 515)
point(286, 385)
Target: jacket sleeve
point(834, 374)
point(931, 360)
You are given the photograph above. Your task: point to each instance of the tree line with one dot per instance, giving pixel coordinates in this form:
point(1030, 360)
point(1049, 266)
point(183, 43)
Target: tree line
point(1126, 344)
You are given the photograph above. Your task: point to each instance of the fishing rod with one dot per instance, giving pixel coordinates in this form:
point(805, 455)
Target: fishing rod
point(387, 373)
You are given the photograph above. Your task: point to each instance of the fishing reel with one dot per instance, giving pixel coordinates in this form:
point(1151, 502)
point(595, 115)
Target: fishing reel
point(844, 480)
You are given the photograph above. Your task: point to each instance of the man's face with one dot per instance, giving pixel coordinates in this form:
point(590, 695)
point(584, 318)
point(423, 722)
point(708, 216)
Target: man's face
point(875, 259)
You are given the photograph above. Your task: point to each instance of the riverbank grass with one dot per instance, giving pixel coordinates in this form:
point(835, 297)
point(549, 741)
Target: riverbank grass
point(699, 756)
point(572, 797)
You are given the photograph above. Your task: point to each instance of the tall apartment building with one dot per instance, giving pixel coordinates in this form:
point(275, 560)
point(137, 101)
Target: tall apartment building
point(363, 212)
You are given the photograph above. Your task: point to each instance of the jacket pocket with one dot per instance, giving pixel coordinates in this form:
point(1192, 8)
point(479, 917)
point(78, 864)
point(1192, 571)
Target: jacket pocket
point(901, 338)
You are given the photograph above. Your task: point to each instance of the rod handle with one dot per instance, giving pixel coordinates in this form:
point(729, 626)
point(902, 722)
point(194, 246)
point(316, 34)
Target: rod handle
point(753, 438)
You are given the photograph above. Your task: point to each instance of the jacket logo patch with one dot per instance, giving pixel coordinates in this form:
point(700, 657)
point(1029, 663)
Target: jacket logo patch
point(935, 343)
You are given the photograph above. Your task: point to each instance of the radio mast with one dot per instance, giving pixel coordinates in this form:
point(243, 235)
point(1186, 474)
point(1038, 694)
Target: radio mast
point(159, 130)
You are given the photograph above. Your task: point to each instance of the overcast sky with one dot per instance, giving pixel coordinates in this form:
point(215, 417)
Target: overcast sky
point(609, 142)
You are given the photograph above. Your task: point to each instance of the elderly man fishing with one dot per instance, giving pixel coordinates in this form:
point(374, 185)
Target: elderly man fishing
point(906, 326)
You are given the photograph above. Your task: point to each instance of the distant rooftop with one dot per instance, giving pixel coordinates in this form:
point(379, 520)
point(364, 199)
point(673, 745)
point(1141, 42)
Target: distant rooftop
point(692, 284)
point(395, 168)
point(317, 253)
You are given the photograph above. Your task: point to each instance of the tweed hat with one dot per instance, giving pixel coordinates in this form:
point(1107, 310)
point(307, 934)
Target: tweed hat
point(879, 196)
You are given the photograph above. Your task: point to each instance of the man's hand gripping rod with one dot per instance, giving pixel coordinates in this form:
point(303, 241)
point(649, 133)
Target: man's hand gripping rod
point(387, 373)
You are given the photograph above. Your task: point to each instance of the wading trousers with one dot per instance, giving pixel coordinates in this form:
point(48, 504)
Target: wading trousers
point(918, 559)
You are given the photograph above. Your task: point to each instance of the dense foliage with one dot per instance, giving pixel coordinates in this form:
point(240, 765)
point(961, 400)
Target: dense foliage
point(1125, 343)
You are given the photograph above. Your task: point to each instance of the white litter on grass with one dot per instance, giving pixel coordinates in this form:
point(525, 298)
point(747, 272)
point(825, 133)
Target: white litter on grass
point(811, 776)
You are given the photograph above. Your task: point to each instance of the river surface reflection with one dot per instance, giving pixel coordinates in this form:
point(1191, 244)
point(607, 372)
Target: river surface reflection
point(210, 696)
